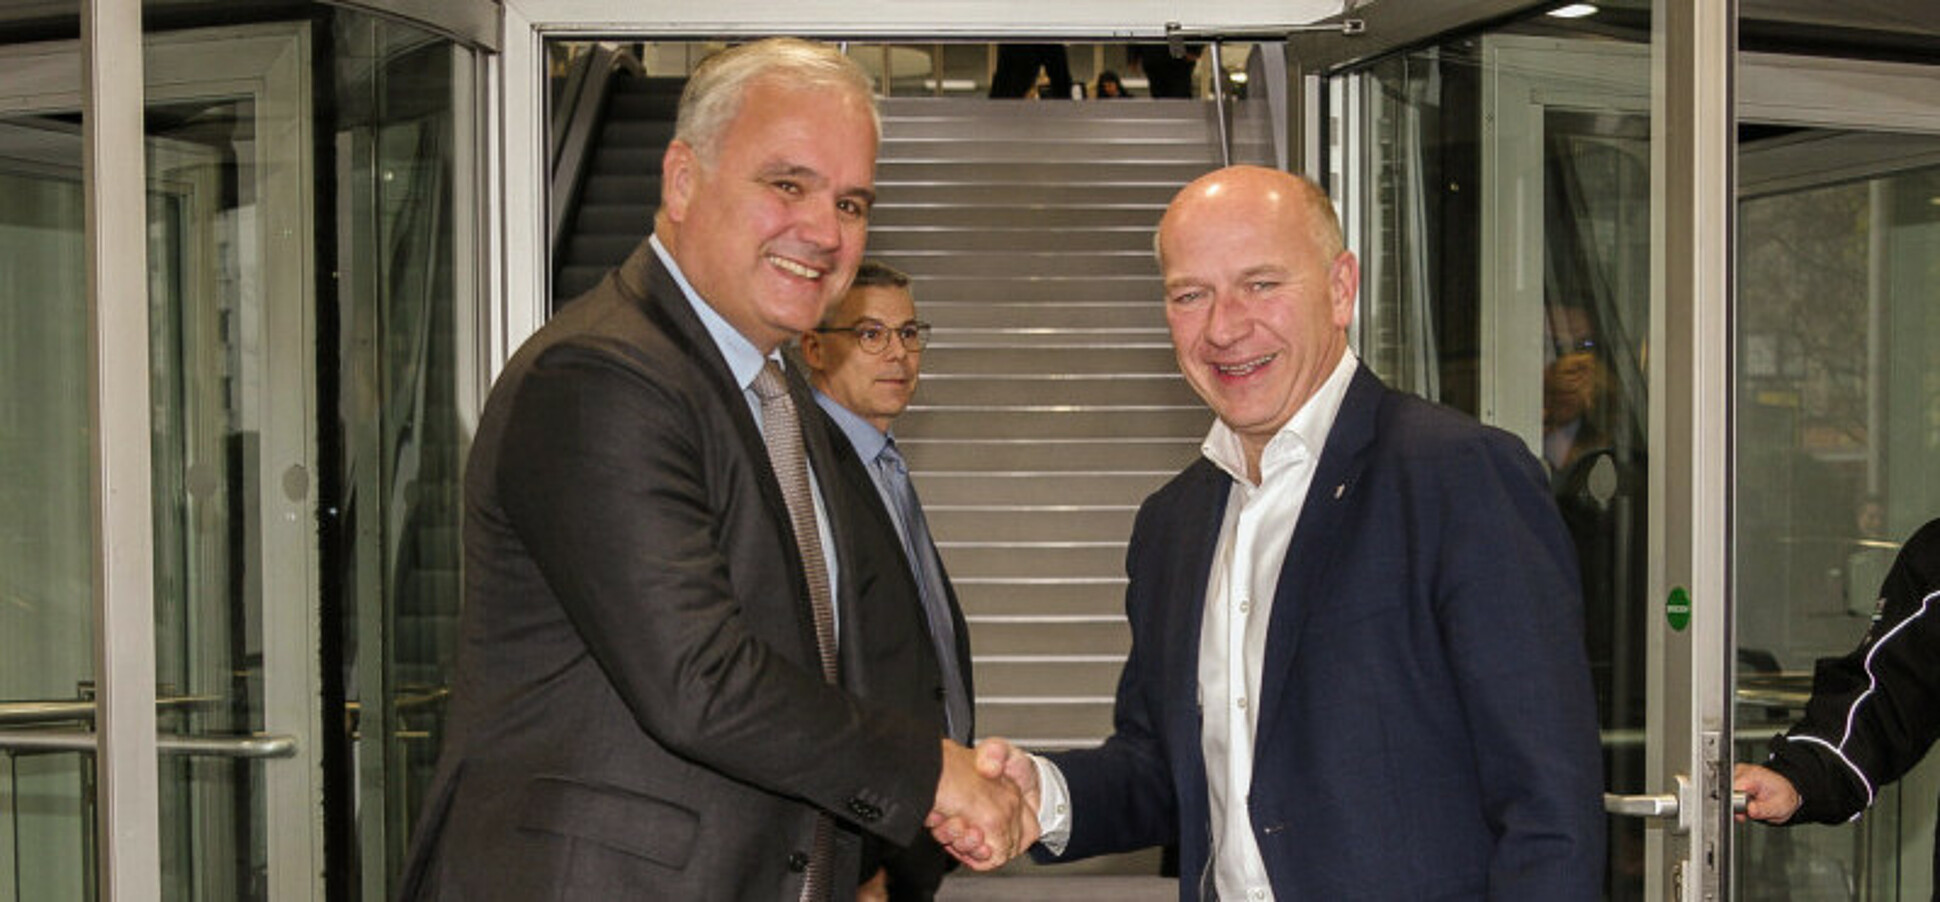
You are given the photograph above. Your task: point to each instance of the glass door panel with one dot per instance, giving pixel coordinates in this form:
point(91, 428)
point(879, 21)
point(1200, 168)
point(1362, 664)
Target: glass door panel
point(1838, 381)
point(231, 426)
point(46, 534)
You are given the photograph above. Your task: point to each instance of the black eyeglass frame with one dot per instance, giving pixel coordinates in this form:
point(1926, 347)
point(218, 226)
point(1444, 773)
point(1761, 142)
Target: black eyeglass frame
point(872, 336)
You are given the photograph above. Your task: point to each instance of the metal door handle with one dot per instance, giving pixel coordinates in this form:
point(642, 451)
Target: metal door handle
point(1663, 806)
point(1654, 806)
point(259, 745)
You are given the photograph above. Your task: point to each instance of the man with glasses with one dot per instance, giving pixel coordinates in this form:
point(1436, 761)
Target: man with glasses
point(864, 361)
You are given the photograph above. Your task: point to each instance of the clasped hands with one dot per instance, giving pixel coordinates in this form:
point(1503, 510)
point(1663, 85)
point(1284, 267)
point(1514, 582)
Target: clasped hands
point(986, 803)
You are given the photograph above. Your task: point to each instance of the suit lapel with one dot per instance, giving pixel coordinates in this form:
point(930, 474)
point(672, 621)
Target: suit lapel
point(643, 278)
point(1315, 545)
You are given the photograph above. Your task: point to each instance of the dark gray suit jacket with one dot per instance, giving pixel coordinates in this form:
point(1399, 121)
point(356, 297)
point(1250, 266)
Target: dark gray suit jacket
point(638, 712)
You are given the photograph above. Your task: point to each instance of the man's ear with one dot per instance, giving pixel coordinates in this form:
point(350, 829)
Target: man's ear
point(678, 170)
point(812, 350)
point(1344, 280)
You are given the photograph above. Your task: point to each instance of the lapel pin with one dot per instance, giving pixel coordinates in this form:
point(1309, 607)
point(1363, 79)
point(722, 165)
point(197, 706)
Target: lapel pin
point(1340, 490)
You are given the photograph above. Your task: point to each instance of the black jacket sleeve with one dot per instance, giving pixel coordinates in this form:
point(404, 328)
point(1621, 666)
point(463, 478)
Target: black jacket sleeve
point(1874, 712)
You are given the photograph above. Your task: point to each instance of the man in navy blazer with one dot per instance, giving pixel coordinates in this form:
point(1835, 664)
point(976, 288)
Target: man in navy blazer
point(1357, 666)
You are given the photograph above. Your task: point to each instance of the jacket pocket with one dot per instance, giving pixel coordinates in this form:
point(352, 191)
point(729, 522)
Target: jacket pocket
point(617, 819)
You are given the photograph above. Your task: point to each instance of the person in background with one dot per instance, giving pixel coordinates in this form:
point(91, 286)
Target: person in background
point(1167, 75)
point(1357, 666)
point(1017, 68)
point(1109, 87)
point(666, 688)
point(864, 361)
point(1873, 713)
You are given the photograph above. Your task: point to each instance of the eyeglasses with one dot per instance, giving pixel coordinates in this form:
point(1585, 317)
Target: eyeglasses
point(873, 337)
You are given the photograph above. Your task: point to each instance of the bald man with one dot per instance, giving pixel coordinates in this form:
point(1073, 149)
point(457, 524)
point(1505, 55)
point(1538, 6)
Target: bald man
point(1357, 666)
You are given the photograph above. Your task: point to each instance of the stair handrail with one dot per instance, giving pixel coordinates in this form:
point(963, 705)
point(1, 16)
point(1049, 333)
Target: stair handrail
point(574, 125)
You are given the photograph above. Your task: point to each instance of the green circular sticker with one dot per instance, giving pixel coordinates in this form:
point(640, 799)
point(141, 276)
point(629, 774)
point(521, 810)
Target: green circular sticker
point(1677, 609)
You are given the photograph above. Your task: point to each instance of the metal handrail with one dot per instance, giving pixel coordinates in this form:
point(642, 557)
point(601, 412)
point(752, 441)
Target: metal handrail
point(70, 710)
point(251, 746)
point(575, 128)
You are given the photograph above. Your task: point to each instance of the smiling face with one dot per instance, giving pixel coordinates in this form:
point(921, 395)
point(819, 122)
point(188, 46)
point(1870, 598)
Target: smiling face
point(876, 387)
point(770, 231)
point(1258, 296)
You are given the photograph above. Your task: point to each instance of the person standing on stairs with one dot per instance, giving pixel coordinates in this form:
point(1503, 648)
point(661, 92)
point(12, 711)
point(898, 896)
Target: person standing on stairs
point(864, 361)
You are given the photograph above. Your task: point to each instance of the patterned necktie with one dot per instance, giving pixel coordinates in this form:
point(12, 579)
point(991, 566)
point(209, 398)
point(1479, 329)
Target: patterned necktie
point(782, 433)
point(928, 571)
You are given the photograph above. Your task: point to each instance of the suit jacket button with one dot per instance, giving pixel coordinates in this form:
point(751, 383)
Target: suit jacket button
point(798, 862)
point(864, 810)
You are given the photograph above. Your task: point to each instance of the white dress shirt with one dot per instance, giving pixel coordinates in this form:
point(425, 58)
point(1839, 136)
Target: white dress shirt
point(1253, 539)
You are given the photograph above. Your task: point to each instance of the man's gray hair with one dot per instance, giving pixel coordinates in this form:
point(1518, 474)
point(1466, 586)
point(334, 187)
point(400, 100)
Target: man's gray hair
point(714, 92)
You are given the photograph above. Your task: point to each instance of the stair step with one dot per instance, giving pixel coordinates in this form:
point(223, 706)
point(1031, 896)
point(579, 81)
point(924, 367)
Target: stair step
point(900, 213)
point(1039, 308)
point(1136, 240)
point(1056, 423)
point(977, 390)
point(932, 187)
point(1004, 679)
point(1064, 557)
point(598, 249)
point(1046, 262)
point(616, 219)
point(1040, 455)
point(954, 489)
point(1150, 357)
point(1033, 724)
point(998, 289)
point(1054, 596)
point(1095, 524)
point(634, 159)
point(1020, 636)
point(1134, 178)
point(639, 190)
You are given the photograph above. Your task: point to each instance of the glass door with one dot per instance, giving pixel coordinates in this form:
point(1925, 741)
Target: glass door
point(1837, 385)
point(1803, 408)
point(230, 417)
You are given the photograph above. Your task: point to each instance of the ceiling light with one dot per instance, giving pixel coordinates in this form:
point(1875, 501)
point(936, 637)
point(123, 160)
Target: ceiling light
point(1574, 11)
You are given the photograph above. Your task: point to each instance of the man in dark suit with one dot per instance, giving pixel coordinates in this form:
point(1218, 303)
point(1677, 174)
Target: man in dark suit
point(864, 361)
point(689, 665)
point(1357, 666)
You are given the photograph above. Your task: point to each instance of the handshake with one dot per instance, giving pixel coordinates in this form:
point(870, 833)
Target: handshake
point(986, 803)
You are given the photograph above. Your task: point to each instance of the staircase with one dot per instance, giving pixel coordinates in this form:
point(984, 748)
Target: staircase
point(1050, 404)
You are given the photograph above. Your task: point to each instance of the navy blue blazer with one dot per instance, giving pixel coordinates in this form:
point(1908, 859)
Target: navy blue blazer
point(1427, 728)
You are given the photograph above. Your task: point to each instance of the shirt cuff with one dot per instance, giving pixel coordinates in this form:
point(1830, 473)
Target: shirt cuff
point(1053, 807)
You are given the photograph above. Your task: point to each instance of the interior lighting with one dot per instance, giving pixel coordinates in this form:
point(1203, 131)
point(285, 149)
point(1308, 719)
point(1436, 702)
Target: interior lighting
point(1574, 11)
